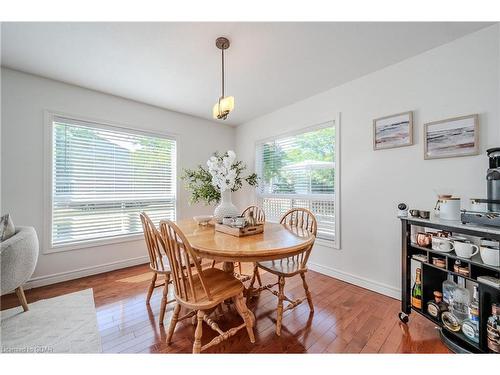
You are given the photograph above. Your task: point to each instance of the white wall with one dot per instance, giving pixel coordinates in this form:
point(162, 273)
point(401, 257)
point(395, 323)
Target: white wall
point(24, 99)
point(456, 79)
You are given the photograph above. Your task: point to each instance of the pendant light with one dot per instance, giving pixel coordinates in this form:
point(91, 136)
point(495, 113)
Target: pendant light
point(225, 104)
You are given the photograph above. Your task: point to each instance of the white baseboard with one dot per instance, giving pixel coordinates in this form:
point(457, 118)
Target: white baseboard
point(36, 282)
point(357, 280)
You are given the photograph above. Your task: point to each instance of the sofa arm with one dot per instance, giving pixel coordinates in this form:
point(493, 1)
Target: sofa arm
point(19, 255)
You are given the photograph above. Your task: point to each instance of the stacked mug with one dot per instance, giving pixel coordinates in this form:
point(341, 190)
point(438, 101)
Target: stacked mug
point(464, 248)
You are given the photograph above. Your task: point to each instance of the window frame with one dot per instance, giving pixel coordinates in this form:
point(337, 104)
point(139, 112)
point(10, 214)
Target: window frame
point(49, 116)
point(335, 243)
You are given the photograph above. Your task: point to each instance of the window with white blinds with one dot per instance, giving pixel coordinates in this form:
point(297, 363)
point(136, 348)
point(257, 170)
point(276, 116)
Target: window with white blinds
point(299, 171)
point(103, 177)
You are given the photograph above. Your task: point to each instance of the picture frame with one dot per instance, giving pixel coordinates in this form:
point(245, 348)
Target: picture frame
point(393, 131)
point(452, 137)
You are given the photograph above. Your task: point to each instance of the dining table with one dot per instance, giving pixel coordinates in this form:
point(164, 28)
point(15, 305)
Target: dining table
point(277, 241)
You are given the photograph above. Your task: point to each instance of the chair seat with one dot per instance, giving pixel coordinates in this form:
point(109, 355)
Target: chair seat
point(283, 267)
point(166, 265)
point(221, 284)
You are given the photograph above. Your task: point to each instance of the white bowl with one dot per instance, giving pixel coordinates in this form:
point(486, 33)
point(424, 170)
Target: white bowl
point(202, 219)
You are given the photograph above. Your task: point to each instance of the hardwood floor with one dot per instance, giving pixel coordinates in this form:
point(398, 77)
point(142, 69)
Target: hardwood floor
point(347, 318)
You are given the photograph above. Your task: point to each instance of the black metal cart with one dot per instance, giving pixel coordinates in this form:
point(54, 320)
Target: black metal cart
point(433, 277)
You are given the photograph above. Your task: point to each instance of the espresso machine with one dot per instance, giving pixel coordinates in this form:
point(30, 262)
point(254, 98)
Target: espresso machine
point(487, 211)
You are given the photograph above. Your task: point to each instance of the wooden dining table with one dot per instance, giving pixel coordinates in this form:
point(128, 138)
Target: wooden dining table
point(278, 241)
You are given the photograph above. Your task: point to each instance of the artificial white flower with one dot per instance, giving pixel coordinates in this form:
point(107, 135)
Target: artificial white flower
point(222, 171)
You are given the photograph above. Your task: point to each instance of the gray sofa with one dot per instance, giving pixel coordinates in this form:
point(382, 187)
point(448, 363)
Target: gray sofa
point(18, 257)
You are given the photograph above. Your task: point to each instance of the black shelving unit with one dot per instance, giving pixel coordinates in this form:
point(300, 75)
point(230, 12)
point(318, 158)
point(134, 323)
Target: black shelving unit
point(433, 277)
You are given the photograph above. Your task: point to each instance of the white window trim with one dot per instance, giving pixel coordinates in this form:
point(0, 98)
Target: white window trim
point(47, 247)
point(336, 196)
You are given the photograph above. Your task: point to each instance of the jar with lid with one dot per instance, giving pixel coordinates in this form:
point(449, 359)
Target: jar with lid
point(437, 306)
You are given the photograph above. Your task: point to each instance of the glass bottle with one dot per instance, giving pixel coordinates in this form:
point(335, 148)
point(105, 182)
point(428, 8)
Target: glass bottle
point(436, 306)
point(493, 328)
point(470, 328)
point(460, 301)
point(474, 305)
point(416, 292)
point(448, 288)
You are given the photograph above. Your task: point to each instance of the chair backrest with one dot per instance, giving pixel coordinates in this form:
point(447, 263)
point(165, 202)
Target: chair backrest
point(184, 264)
point(258, 213)
point(304, 219)
point(154, 243)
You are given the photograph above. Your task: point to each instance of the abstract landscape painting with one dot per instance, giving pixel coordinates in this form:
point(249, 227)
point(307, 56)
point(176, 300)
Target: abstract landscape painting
point(452, 137)
point(393, 131)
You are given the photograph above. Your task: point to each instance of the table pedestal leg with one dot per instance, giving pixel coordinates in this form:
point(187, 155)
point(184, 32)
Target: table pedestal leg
point(228, 267)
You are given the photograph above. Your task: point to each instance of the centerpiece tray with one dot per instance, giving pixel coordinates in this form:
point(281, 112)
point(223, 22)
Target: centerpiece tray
point(240, 232)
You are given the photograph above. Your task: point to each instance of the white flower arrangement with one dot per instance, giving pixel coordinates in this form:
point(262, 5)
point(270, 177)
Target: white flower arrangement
point(224, 173)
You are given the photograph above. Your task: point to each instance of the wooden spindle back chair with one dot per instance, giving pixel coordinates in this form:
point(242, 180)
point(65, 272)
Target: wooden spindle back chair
point(158, 261)
point(300, 219)
point(200, 291)
point(297, 220)
point(185, 265)
point(258, 213)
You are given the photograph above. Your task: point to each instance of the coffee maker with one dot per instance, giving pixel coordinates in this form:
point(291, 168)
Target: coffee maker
point(490, 214)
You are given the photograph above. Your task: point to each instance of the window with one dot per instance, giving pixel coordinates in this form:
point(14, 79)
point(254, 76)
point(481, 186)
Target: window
point(103, 177)
point(299, 171)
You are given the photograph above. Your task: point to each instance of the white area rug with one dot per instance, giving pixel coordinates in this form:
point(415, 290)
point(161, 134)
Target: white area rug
point(64, 324)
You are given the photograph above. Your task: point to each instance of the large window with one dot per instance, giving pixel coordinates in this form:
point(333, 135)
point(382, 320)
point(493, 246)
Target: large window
point(299, 171)
point(103, 177)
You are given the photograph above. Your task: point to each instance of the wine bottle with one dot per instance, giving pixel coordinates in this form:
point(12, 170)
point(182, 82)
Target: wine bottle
point(416, 292)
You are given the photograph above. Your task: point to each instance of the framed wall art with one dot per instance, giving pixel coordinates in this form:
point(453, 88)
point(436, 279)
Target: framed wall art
point(458, 136)
point(393, 131)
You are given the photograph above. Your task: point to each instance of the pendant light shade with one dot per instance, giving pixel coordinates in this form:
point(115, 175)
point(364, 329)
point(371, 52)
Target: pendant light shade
point(223, 107)
point(225, 104)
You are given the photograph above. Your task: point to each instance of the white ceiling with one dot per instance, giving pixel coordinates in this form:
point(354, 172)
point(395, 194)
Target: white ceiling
point(177, 66)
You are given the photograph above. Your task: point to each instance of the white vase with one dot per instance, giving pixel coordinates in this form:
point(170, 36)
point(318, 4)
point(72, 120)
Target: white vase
point(225, 207)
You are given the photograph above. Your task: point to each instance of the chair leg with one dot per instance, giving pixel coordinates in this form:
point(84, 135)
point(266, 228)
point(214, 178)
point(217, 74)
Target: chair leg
point(198, 332)
point(213, 264)
point(258, 275)
point(164, 299)
point(173, 323)
point(308, 293)
point(281, 297)
point(241, 307)
point(22, 298)
point(151, 287)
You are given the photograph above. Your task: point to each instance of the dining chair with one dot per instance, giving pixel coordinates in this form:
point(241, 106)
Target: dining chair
point(201, 291)
point(258, 213)
point(260, 217)
point(158, 262)
point(295, 219)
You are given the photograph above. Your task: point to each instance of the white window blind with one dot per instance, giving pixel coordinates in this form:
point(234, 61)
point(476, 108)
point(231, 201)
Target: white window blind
point(299, 171)
point(103, 177)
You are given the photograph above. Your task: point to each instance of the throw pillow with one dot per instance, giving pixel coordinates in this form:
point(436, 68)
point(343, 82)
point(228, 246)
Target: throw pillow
point(7, 228)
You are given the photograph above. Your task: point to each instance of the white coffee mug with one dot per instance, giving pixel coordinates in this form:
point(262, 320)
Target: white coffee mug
point(465, 249)
point(490, 256)
point(239, 221)
point(442, 244)
point(227, 221)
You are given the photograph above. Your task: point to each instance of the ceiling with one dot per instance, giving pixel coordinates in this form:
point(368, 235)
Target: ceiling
point(177, 66)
